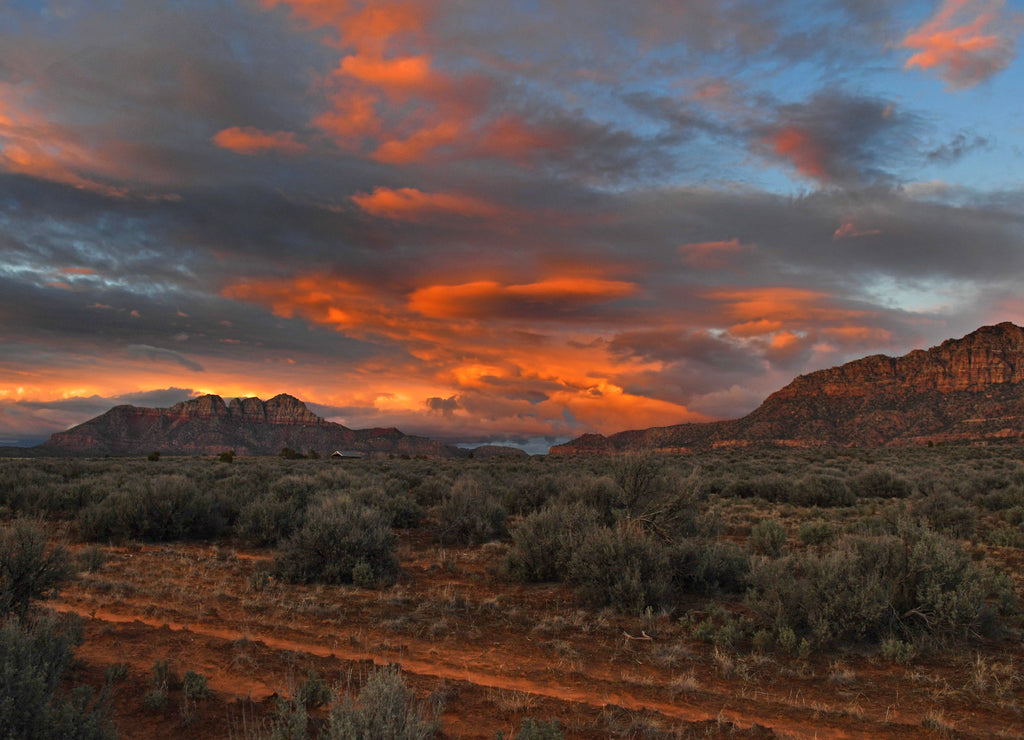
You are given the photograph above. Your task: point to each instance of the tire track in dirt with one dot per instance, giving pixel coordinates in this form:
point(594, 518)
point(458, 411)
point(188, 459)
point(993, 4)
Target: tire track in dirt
point(777, 716)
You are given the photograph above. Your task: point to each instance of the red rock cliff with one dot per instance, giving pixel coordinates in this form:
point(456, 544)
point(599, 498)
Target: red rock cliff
point(968, 389)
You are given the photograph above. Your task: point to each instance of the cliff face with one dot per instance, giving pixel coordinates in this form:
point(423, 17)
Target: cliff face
point(990, 356)
point(249, 426)
point(965, 389)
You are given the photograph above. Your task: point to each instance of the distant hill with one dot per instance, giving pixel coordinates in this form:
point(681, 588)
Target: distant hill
point(964, 390)
point(249, 426)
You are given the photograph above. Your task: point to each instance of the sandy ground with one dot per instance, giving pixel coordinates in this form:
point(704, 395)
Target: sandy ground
point(487, 653)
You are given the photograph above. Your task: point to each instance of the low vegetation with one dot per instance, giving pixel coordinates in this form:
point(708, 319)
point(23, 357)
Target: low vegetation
point(340, 541)
point(384, 707)
point(773, 555)
point(36, 648)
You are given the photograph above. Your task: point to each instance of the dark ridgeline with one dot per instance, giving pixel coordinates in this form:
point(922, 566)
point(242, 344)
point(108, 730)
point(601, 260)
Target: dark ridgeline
point(249, 426)
point(964, 390)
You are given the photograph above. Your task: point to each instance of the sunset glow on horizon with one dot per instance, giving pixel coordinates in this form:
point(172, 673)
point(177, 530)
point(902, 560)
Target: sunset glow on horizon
point(499, 222)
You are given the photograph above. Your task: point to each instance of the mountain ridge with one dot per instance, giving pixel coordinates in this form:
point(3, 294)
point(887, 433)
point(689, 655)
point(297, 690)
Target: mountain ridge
point(968, 389)
point(250, 426)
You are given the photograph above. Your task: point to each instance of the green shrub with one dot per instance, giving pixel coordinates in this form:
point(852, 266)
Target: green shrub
point(723, 629)
point(338, 537)
point(384, 708)
point(115, 673)
point(227, 456)
point(159, 508)
point(155, 700)
point(815, 532)
point(289, 721)
point(467, 516)
point(363, 575)
point(268, 519)
point(623, 568)
point(153, 456)
point(34, 659)
point(544, 542)
point(600, 494)
point(1002, 499)
point(313, 692)
point(636, 474)
point(298, 487)
point(397, 505)
point(709, 568)
point(879, 482)
point(822, 490)
point(946, 513)
point(767, 537)
point(274, 514)
point(772, 487)
point(832, 597)
point(530, 493)
point(29, 570)
point(431, 491)
point(532, 729)
point(897, 651)
point(949, 594)
point(916, 585)
point(92, 559)
point(1005, 537)
point(162, 676)
point(195, 685)
point(1014, 515)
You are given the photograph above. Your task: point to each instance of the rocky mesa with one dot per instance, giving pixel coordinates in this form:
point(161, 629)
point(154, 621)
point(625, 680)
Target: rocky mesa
point(967, 390)
point(249, 426)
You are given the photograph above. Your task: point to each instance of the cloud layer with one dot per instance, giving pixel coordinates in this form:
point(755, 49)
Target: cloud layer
point(495, 221)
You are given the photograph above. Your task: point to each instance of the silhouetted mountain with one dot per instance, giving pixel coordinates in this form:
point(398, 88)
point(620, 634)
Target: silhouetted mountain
point(249, 426)
point(969, 389)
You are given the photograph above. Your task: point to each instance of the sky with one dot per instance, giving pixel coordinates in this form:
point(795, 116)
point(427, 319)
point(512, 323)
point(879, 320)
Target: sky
point(505, 221)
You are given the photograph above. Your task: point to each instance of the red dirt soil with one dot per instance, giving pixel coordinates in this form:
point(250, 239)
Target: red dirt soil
point(489, 653)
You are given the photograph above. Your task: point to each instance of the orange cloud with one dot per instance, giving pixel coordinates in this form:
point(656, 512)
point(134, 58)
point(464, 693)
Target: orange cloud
point(365, 80)
point(409, 204)
point(784, 341)
point(858, 334)
point(848, 229)
point(512, 138)
point(792, 321)
point(368, 27)
point(353, 119)
point(758, 311)
point(34, 142)
point(519, 380)
point(755, 304)
point(491, 299)
point(395, 74)
point(389, 99)
point(377, 23)
point(57, 160)
point(249, 140)
point(786, 346)
point(755, 328)
point(322, 299)
point(713, 255)
point(803, 152)
point(421, 145)
point(967, 41)
point(30, 144)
